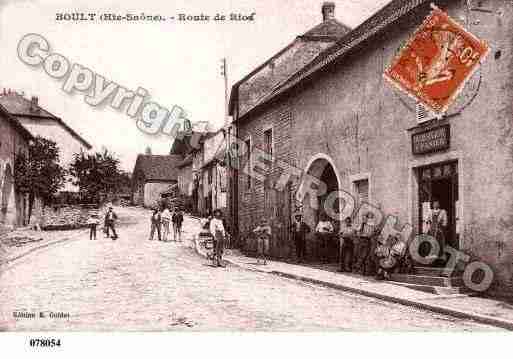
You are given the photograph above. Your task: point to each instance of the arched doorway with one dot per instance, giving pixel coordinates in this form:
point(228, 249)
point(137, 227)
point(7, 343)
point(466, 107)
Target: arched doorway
point(321, 166)
point(7, 193)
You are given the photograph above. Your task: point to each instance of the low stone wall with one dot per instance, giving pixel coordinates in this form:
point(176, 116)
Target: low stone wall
point(67, 217)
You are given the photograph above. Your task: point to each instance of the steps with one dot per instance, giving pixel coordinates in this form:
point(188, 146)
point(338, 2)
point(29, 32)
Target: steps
point(431, 280)
point(435, 289)
point(437, 281)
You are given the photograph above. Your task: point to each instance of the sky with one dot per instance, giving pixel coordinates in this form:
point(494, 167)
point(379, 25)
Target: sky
point(178, 63)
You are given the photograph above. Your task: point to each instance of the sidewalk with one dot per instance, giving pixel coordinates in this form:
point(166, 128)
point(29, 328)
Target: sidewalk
point(482, 310)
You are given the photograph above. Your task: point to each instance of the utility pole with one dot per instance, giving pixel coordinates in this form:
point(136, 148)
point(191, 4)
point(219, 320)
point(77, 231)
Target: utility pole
point(224, 73)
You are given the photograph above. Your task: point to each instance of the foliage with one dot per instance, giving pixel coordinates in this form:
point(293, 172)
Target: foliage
point(39, 172)
point(98, 174)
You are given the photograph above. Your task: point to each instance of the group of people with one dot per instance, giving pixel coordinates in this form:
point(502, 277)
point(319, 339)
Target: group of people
point(109, 221)
point(361, 250)
point(161, 221)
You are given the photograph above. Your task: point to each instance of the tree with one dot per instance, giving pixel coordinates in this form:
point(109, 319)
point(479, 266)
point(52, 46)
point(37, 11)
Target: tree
point(96, 174)
point(39, 173)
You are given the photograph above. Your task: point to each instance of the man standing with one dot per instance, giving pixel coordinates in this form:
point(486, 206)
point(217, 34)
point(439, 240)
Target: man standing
point(346, 240)
point(218, 232)
point(363, 247)
point(437, 222)
point(299, 231)
point(110, 219)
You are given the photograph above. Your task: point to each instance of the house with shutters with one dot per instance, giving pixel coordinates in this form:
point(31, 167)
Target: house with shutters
point(335, 118)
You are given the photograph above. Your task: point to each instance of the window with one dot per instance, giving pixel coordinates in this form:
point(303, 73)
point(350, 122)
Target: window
point(268, 141)
point(248, 162)
point(362, 190)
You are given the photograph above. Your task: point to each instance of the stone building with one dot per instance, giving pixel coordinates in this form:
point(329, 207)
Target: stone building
point(14, 138)
point(152, 175)
point(41, 122)
point(336, 119)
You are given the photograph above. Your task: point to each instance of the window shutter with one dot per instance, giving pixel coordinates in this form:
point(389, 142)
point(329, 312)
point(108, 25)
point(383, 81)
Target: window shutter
point(422, 113)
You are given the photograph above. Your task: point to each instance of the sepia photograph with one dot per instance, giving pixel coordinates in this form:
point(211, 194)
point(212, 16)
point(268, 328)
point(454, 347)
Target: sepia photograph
point(296, 166)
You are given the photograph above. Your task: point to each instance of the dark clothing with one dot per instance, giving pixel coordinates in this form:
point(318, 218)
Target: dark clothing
point(324, 241)
point(155, 227)
point(299, 232)
point(177, 219)
point(110, 225)
point(110, 218)
point(218, 247)
point(92, 233)
point(361, 253)
point(346, 253)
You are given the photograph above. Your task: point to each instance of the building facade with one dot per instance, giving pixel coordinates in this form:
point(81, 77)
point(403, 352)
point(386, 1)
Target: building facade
point(337, 120)
point(14, 139)
point(152, 175)
point(40, 122)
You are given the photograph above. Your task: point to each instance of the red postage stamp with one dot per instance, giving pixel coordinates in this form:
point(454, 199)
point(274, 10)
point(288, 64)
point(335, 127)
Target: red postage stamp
point(437, 61)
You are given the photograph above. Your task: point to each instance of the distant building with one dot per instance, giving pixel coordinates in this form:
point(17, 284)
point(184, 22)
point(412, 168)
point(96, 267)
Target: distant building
point(152, 175)
point(213, 172)
point(40, 122)
point(14, 138)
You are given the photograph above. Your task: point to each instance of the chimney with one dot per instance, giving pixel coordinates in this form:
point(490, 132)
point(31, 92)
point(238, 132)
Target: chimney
point(328, 10)
point(34, 104)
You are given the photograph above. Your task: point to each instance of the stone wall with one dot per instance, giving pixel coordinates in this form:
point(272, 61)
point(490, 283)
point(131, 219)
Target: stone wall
point(67, 217)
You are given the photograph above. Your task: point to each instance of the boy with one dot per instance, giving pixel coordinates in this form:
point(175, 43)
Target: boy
point(155, 224)
point(93, 222)
point(263, 232)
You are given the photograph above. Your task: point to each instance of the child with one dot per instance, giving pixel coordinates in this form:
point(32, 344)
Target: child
point(93, 222)
point(263, 232)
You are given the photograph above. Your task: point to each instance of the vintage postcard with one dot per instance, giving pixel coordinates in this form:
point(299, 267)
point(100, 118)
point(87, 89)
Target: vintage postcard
point(255, 166)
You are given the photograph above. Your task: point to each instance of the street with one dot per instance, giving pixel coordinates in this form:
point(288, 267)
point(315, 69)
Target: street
point(134, 284)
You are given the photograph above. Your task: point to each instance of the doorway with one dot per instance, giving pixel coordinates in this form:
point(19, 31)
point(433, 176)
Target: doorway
point(322, 168)
point(440, 182)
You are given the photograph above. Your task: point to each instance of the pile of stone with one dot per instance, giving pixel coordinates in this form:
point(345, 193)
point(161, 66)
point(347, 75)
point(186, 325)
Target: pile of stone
point(66, 217)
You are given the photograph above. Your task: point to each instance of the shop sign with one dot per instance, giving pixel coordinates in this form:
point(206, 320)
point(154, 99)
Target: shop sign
point(432, 140)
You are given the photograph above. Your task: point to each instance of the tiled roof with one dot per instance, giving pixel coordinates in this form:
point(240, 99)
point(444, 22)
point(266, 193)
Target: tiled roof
point(182, 144)
point(16, 124)
point(371, 27)
point(262, 81)
point(330, 29)
point(20, 107)
point(157, 167)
